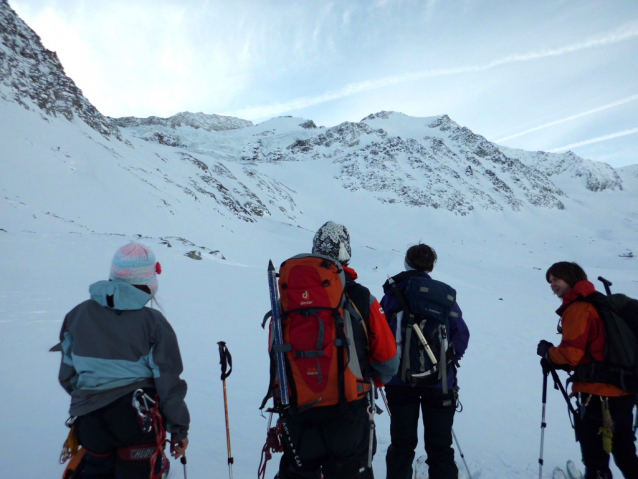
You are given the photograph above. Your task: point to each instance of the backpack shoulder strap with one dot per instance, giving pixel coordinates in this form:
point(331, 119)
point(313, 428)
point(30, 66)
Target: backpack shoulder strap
point(365, 321)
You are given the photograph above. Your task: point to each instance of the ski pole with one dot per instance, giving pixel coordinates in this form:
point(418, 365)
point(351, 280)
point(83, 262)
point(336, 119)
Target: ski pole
point(183, 461)
point(606, 283)
point(279, 347)
point(543, 424)
point(461, 454)
point(225, 359)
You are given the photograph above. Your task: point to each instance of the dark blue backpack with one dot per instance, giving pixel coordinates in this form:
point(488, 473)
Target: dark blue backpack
point(422, 332)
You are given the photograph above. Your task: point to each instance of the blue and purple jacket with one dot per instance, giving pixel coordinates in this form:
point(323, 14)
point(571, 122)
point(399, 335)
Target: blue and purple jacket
point(459, 332)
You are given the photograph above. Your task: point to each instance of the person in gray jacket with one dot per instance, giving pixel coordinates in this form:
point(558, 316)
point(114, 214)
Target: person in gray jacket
point(113, 346)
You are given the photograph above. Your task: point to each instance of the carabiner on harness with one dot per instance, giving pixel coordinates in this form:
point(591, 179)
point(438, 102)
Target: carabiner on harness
point(143, 412)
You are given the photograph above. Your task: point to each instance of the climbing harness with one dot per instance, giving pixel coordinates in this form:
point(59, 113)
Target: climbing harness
point(273, 444)
point(149, 418)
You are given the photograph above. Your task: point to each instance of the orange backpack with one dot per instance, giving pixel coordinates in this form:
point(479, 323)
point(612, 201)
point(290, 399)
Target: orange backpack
point(325, 337)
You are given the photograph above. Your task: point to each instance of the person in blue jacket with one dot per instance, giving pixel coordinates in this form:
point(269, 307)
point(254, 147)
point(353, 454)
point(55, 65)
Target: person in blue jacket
point(114, 347)
point(405, 401)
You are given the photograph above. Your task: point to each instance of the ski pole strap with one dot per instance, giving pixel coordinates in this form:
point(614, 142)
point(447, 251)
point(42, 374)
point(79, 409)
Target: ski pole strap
point(225, 359)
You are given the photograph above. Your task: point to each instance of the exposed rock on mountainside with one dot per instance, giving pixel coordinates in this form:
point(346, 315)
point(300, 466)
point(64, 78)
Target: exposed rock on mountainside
point(429, 162)
point(598, 176)
point(194, 120)
point(33, 77)
point(213, 185)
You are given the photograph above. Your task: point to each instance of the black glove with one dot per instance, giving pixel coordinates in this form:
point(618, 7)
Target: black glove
point(543, 348)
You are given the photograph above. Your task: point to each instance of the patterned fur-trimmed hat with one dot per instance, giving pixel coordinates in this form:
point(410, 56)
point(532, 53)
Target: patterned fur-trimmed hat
point(136, 264)
point(333, 240)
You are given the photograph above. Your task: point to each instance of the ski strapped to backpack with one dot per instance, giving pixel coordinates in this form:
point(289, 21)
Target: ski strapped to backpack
point(423, 328)
point(620, 317)
point(324, 340)
point(278, 347)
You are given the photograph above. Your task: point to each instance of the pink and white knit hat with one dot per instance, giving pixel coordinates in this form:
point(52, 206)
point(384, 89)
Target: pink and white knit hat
point(136, 264)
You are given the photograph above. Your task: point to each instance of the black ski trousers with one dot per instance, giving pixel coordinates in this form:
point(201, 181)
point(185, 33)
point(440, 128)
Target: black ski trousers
point(405, 403)
point(327, 443)
point(591, 444)
point(103, 432)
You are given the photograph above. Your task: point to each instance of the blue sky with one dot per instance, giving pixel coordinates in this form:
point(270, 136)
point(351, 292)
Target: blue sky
point(537, 75)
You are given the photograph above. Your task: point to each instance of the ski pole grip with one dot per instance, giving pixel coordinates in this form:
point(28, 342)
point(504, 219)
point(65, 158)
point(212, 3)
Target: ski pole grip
point(225, 359)
point(607, 285)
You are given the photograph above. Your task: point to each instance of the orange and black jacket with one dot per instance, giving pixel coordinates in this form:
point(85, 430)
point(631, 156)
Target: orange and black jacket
point(583, 338)
point(383, 357)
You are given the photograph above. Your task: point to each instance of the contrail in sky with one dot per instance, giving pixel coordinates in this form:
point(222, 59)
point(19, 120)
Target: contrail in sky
point(573, 117)
point(595, 140)
point(358, 87)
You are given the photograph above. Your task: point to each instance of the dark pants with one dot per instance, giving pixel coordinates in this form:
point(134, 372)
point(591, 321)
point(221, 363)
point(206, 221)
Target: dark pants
point(596, 460)
point(404, 403)
point(109, 429)
point(320, 442)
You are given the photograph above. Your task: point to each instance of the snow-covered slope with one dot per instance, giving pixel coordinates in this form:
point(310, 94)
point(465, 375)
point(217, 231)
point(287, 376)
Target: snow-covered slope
point(221, 203)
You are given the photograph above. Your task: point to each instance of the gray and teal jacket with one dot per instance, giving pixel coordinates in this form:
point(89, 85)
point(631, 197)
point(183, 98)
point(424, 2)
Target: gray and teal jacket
point(112, 345)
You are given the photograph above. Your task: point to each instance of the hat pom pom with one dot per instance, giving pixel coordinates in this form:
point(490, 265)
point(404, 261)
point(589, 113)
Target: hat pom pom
point(158, 268)
point(343, 253)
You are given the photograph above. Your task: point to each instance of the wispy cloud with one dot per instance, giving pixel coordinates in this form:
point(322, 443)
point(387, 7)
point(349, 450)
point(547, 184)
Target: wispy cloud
point(598, 139)
point(263, 111)
point(572, 117)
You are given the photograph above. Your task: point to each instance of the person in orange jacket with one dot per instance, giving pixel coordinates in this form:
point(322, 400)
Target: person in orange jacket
point(583, 341)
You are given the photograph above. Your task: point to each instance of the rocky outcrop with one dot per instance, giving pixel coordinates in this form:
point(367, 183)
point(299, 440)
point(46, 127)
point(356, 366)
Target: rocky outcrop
point(33, 77)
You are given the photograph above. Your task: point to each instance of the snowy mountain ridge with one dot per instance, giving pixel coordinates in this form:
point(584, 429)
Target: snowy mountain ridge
point(193, 120)
point(431, 162)
point(419, 162)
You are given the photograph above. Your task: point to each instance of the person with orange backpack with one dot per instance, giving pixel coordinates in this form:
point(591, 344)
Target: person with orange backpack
point(338, 348)
point(121, 365)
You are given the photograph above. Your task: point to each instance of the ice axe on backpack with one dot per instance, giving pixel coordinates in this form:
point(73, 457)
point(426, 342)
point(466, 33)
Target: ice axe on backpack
point(607, 285)
point(417, 330)
point(404, 305)
point(226, 360)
